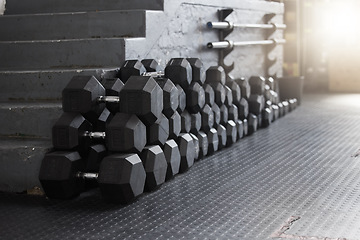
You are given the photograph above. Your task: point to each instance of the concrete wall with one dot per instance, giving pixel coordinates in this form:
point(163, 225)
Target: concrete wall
point(180, 31)
point(2, 6)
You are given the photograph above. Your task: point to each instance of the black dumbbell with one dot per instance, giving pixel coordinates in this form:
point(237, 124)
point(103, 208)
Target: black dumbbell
point(196, 146)
point(207, 118)
point(178, 70)
point(170, 96)
point(121, 177)
point(86, 95)
point(231, 132)
point(257, 84)
point(252, 123)
point(172, 156)
point(155, 165)
point(158, 132)
point(112, 87)
point(244, 87)
point(256, 104)
point(215, 77)
point(240, 129)
point(198, 71)
point(103, 120)
point(235, 89)
point(187, 151)
point(213, 140)
point(209, 94)
point(203, 144)
point(195, 97)
point(125, 133)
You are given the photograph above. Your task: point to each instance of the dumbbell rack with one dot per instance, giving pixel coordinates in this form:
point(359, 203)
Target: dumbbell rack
point(226, 47)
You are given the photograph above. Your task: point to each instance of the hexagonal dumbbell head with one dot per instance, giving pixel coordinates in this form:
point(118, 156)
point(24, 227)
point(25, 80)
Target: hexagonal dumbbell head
point(267, 115)
point(185, 122)
point(221, 130)
point(246, 127)
point(151, 65)
point(182, 99)
point(240, 129)
point(158, 132)
point(213, 140)
point(203, 144)
point(95, 155)
point(195, 97)
point(215, 74)
point(224, 115)
point(195, 122)
point(235, 89)
point(142, 96)
point(243, 108)
point(187, 151)
point(57, 174)
point(179, 71)
point(244, 87)
point(207, 118)
point(271, 82)
point(80, 95)
point(274, 97)
point(121, 178)
point(198, 71)
point(286, 107)
point(209, 94)
point(233, 112)
point(172, 156)
point(281, 109)
point(252, 123)
point(155, 165)
point(131, 68)
point(112, 87)
point(217, 114)
point(126, 133)
point(292, 104)
point(257, 84)
point(220, 93)
point(170, 96)
point(174, 125)
point(196, 146)
point(256, 104)
point(267, 93)
point(231, 132)
point(228, 96)
point(276, 112)
point(259, 120)
point(103, 120)
point(68, 132)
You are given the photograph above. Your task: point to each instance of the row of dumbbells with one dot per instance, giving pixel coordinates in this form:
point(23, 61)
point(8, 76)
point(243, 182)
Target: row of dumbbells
point(148, 136)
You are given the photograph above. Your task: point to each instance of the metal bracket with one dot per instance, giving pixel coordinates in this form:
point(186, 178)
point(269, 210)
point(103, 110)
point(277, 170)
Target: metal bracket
point(269, 62)
point(223, 33)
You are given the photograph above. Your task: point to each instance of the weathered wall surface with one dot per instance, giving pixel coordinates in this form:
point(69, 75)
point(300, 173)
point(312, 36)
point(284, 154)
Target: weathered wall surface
point(180, 31)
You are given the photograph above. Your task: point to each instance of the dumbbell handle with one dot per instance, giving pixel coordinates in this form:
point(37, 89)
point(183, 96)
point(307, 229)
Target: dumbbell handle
point(154, 74)
point(108, 99)
point(87, 175)
point(96, 135)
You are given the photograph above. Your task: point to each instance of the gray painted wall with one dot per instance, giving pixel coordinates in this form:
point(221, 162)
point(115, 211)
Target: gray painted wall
point(2, 6)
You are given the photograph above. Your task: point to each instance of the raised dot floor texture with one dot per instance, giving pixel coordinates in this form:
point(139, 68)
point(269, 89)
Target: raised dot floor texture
point(303, 168)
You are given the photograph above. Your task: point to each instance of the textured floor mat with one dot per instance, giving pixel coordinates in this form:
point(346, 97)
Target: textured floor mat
point(297, 179)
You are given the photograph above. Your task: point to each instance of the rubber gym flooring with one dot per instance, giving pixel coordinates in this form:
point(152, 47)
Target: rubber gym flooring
point(297, 179)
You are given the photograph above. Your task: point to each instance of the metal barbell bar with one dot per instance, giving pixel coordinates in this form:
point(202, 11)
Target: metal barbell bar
point(227, 44)
point(230, 25)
